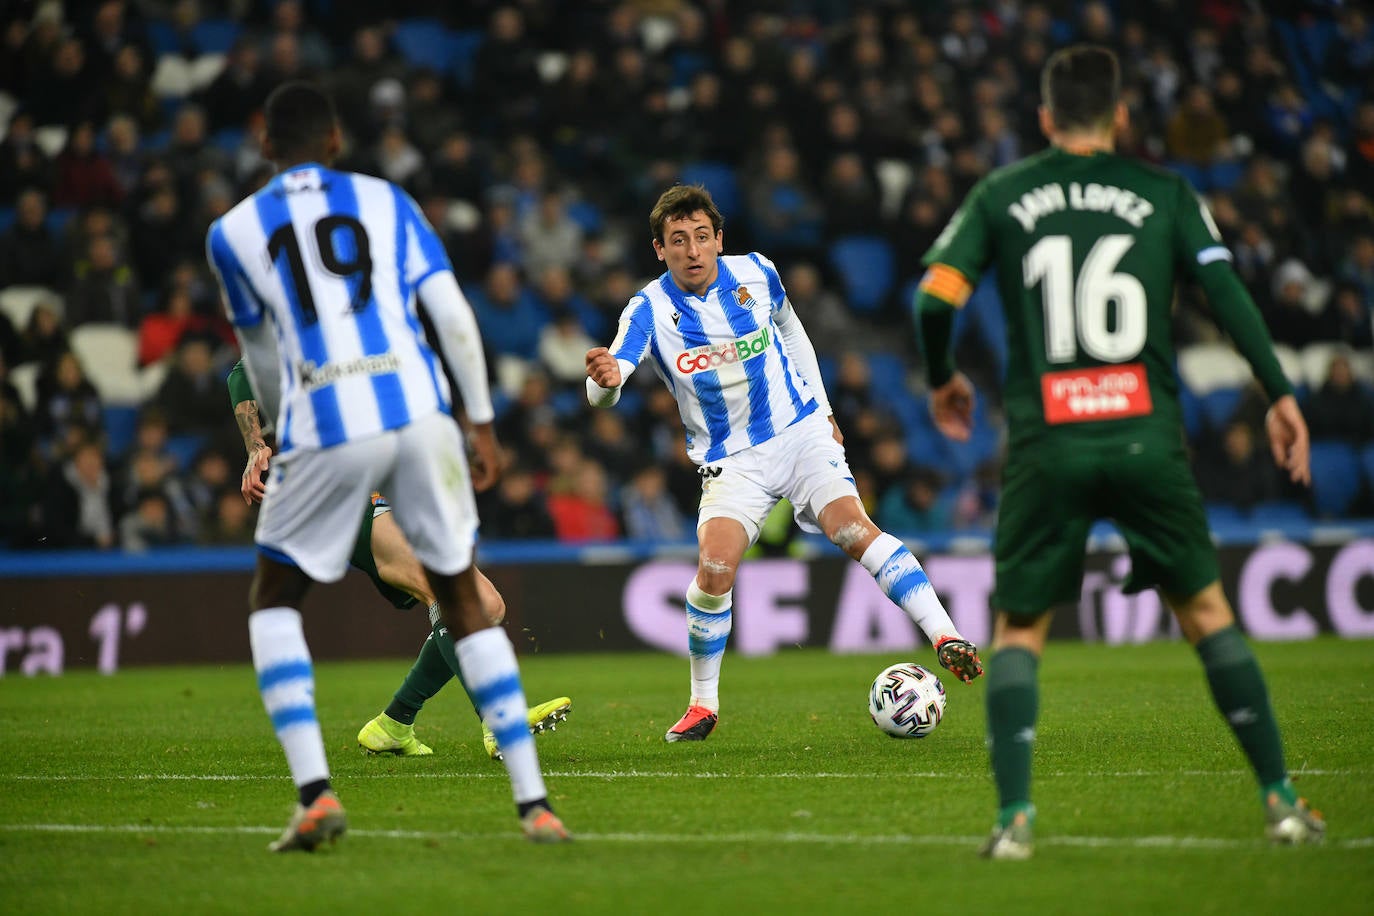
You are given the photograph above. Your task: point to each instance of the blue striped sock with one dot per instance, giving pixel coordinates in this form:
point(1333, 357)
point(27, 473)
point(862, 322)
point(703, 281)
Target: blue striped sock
point(902, 579)
point(709, 622)
point(493, 678)
point(286, 680)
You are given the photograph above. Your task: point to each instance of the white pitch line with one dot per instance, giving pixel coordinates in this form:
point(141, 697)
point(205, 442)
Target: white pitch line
point(785, 837)
point(652, 774)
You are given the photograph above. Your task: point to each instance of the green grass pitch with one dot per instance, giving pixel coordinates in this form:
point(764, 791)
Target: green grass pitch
point(157, 790)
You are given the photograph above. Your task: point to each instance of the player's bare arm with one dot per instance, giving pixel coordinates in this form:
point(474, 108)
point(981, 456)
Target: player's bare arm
point(1287, 432)
point(602, 368)
point(943, 290)
point(485, 460)
point(951, 407)
point(252, 486)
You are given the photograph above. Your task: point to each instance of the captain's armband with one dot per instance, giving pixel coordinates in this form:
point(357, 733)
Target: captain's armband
point(946, 284)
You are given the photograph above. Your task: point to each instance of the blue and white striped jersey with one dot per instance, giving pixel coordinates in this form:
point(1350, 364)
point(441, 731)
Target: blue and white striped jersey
point(720, 355)
point(334, 259)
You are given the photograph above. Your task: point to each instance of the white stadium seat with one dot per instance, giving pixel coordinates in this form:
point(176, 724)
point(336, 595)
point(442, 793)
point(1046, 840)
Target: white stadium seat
point(18, 302)
point(25, 380)
point(1205, 368)
point(109, 355)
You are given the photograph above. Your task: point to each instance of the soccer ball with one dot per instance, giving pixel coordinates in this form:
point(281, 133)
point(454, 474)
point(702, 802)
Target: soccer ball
point(907, 701)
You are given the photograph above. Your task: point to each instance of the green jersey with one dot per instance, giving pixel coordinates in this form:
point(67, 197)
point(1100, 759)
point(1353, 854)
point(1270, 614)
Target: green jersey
point(1086, 250)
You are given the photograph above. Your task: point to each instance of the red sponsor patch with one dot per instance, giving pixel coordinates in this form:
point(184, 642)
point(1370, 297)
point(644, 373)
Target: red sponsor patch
point(1099, 393)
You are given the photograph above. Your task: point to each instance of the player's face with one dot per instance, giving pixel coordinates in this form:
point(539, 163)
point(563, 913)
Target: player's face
point(690, 248)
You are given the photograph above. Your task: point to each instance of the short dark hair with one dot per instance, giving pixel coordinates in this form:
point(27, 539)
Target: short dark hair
point(1080, 86)
point(300, 118)
point(681, 201)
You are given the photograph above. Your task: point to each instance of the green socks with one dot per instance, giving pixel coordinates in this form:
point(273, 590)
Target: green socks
point(1013, 701)
point(434, 667)
point(1241, 696)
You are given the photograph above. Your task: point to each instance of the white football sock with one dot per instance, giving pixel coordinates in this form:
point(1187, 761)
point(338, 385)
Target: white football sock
point(286, 680)
point(902, 579)
point(709, 622)
point(493, 679)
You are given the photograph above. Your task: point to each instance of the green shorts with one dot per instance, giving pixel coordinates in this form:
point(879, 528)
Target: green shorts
point(362, 557)
point(1052, 493)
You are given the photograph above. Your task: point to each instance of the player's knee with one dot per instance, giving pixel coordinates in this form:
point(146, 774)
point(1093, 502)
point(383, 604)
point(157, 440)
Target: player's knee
point(1021, 631)
point(277, 585)
point(715, 576)
point(1203, 614)
point(853, 537)
point(494, 606)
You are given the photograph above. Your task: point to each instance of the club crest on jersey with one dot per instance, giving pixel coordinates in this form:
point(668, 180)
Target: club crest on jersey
point(743, 298)
point(713, 356)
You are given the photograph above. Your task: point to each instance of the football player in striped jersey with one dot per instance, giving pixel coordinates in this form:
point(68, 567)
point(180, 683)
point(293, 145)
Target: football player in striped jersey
point(723, 337)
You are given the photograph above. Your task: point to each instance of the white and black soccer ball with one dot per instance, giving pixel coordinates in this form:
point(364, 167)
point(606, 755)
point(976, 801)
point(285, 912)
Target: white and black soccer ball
point(907, 700)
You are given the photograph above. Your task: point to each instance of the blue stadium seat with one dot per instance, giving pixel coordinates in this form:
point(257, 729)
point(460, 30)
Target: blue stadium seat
point(1219, 406)
point(1193, 417)
point(963, 458)
point(7, 216)
point(424, 43)
point(228, 139)
point(500, 401)
point(568, 402)
point(1335, 477)
point(1195, 175)
point(1279, 513)
point(1226, 175)
point(184, 449)
point(720, 180)
point(631, 403)
point(830, 368)
point(156, 141)
point(1223, 514)
point(924, 443)
point(1315, 37)
point(463, 47)
point(587, 215)
point(1367, 462)
point(867, 270)
point(927, 447)
point(887, 374)
point(121, 422)
point(170, 106)
point(215, 36)
point(163, 37)
point(58, 219)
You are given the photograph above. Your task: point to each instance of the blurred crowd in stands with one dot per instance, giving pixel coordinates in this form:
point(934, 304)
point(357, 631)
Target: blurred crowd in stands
point(837, 137)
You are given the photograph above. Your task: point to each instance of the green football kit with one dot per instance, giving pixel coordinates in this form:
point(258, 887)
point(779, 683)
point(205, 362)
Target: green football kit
point(1086, 250)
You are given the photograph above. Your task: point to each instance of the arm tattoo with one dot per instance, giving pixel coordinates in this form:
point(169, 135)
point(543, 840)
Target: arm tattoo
point(246, 413)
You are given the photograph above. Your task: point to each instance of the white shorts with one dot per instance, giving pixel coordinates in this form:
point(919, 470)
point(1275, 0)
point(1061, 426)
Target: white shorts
point(315, 498)
point(803, 464)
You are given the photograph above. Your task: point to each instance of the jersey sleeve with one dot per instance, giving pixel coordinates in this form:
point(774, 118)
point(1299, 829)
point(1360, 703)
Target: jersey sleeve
point(1197, 240)
point(240, 389)
point(243, 306)
point(423, 252)
point(635, 333)
point(1198, 246)
point(965, 243)
point(777, 296)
